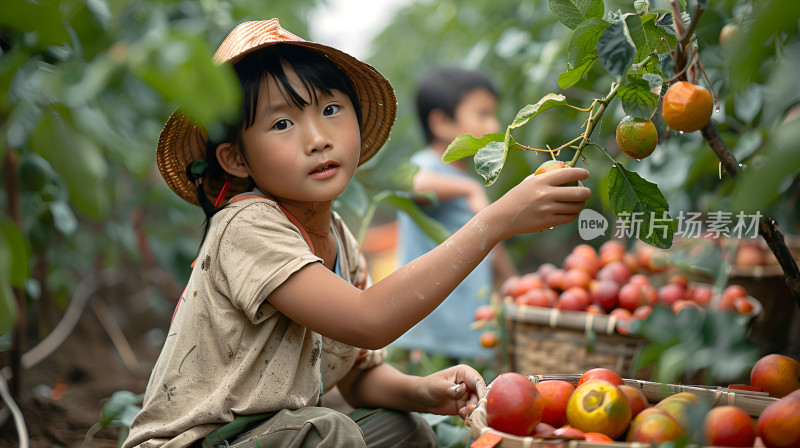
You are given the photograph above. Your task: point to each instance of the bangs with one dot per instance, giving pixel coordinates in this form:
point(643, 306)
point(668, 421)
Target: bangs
point(314, 71)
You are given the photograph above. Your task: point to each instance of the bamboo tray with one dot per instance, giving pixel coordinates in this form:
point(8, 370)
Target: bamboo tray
point(751, 402)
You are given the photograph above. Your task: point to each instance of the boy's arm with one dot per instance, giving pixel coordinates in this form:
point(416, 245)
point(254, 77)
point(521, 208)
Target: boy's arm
point(448, 187)
point(453, 391)
point(324, 302)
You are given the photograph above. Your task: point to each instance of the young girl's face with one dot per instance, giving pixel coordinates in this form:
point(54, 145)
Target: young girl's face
point(304, 154)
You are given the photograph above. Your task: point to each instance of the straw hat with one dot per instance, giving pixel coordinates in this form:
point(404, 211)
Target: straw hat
point(182, 141)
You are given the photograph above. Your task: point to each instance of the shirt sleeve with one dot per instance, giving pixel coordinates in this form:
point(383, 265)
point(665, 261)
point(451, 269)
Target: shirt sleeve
point(258, 250)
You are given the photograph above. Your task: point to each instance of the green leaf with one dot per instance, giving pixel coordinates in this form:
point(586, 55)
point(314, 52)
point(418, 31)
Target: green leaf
point(653, 80)
point(430, 226)
point(571, 77)
point(116, 405)
point(615, 49)
point(528, 112)
point(640, 206)
point(572, 12)
point(582, 51)
point(637, 99)
point(490, 160)
point(78, 159)
point(466, 145)
point(18, 250)
point(641, 6)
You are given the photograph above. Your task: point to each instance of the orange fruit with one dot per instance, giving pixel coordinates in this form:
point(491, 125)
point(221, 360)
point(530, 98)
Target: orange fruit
point(599, 406)
point(687, 107)
point(636, 137)
point(552, 165)
point(488, 339)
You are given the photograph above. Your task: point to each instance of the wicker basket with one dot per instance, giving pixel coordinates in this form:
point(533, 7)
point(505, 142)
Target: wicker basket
point(751, 402)
point(547, 340)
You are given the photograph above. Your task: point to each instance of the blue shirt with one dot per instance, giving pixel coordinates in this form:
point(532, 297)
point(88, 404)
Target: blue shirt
point(447, 330)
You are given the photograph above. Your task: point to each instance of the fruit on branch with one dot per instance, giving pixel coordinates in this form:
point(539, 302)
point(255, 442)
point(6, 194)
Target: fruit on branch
point(637, 137)
point(687, 107)
point(729, 33)
point(552, 165)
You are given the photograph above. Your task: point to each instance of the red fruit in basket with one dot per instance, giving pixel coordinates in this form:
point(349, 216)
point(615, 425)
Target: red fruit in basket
point(573, 299)
point(671, 293)
point(555, 395)
point(630, 296)
point(485, 312)
point(649, 294)
point(616, 271)
point(734, 291)
point(749, 255)
point(599, 406)
point(543, 430)
point(576, 277)
point(630, 261)
point(585, 250)
point(679, 279)
point(595, 309)
point(639, 279)
point(683, 304)
point(568, 432)
point(612, 246)
point(604, 293)
point(655, 427)
point(729, 426)
point(642, 312)
point(776, 374)
point(779, 423)
point(555, 279)
point(545, 269)
point(596, 437)
point(535, 297)
point(621, 314)
point(601, 373)
point(509, 285)
point(636, 398)
point(580, 262)
point(525, 284)
point(743, 305)
point(513, 404)
point(702, 295)
point(610, 257)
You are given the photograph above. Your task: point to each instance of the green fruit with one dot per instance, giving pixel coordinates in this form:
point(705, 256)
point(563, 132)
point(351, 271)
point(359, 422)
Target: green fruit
point(636, 137)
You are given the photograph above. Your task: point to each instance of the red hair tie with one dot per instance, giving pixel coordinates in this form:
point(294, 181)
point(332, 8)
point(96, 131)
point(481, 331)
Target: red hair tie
point(222, 193)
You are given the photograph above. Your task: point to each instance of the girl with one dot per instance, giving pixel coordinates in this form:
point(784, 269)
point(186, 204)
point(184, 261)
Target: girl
point(278, 308)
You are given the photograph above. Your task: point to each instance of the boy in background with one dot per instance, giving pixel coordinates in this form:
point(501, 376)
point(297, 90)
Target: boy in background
point(450, 102)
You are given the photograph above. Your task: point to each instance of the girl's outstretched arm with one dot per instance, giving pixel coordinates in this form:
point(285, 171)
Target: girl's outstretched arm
point(323, 302)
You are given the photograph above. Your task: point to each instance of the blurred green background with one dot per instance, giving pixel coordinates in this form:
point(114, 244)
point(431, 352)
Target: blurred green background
point(86, 86)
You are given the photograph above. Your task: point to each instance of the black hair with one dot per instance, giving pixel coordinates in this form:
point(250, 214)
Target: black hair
point(443, 89)
point(315, 72)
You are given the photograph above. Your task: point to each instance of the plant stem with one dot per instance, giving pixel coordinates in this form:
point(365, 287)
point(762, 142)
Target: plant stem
point(593, 120)
point(18, 339)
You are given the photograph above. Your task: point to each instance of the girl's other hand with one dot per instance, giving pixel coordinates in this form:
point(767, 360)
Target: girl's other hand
point(453, 391)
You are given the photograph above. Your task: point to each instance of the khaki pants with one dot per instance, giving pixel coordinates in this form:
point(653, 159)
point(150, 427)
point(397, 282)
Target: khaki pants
point(325, 428)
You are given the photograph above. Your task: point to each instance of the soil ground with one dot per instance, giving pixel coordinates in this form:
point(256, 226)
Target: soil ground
point(91, 370)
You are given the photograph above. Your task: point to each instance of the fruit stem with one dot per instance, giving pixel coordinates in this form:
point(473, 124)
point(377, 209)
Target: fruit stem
point(551, 151)
point(593, 120)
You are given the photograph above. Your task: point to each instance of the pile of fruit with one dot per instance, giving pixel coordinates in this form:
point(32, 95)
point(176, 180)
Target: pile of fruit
point(618, 282)
point(602, 408)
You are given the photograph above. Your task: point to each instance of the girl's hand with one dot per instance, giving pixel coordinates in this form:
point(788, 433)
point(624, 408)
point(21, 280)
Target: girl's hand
point(453, 391)
point(539, 203)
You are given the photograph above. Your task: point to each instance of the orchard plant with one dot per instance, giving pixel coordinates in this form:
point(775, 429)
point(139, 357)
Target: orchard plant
point(655, 67)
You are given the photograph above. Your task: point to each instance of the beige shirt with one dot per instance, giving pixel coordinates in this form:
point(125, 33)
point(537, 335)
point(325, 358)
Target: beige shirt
point(228, 351)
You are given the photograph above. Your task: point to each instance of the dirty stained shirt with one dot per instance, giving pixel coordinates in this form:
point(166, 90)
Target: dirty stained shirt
point(228, 351)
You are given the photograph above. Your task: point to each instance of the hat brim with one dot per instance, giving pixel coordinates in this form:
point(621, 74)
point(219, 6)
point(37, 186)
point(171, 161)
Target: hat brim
point(183, 141)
